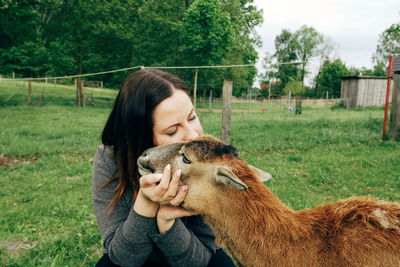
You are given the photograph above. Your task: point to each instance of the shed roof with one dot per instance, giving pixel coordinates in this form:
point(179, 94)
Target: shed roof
point(364, 77)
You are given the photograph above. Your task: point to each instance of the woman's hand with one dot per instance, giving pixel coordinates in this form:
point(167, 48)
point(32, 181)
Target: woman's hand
point(167, 214)
point(162, 189)
point(143, 204)
point(165, 190)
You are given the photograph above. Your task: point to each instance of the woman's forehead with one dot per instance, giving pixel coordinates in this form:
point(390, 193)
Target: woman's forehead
point(172, 110)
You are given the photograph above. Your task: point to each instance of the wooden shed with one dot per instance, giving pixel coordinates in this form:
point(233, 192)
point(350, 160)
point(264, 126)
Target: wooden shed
point(364, 90)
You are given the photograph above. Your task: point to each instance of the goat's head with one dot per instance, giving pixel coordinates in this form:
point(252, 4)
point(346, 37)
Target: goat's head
point(208, 166)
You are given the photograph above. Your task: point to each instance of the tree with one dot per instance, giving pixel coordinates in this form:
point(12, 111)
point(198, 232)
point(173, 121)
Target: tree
point(56, 38)
point(306, 41)
point(388, 45)
point(244, 18)
point(285, 52)
point(302, 45)
point(21, 47)
point(377, 70)
point(323, 53)
point(158, 33)
point(330, 77)
point(296, 88)
point(207, 33)
point(90, 36)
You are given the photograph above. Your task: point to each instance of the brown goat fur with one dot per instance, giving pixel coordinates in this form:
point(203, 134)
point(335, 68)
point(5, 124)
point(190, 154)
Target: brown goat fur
point(259, 230)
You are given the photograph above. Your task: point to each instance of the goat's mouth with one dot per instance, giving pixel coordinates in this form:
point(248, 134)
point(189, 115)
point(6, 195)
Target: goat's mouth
point(144, 170)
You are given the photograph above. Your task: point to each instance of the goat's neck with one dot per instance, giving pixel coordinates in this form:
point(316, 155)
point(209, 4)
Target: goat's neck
point(256, 219)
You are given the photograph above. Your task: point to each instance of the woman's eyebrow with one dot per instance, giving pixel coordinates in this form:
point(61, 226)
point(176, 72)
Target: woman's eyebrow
point(177, 124)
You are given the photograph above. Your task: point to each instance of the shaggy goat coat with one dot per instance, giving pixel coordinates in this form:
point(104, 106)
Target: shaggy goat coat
point(259, 230)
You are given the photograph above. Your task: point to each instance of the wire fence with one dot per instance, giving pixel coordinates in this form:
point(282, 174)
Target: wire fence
point(248, 107)
point(63, 92)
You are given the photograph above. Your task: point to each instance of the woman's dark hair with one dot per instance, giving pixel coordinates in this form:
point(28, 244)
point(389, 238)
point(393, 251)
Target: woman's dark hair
point(129, 128)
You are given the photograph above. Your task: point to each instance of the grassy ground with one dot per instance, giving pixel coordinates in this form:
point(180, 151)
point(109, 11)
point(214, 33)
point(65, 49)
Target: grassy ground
point(45, 201)
point(16, 93)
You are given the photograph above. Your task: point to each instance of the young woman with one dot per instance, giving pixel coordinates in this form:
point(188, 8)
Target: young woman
point(139, 218)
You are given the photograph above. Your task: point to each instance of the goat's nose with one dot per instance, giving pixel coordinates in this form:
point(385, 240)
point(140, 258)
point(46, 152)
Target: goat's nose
point(145, 158)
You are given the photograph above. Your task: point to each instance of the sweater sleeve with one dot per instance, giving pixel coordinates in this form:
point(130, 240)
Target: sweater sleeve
point(125, 233)
point(191, 245)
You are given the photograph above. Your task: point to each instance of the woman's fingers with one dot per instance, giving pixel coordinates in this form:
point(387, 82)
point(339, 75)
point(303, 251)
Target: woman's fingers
point(167, 212)
point(162, 188)
point(164, 183)
point(174, 184)
point(150, 180)
point(172, 188)
point(180, 196)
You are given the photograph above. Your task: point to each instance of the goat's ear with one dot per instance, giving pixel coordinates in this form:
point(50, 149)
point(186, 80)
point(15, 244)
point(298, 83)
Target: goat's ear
point(263, 176)
point(226, 176)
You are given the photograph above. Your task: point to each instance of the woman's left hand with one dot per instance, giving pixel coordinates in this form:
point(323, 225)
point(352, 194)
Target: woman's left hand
point(167, 214)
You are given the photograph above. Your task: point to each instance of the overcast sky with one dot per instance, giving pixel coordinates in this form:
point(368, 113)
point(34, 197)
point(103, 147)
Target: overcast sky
point(354, 25)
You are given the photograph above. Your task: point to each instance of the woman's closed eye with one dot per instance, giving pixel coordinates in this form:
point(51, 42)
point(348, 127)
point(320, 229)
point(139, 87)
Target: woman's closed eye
point(193, 117)
point(171, 133)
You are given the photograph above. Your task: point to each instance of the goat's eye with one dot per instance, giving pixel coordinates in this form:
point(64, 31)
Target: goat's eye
point(185, 159)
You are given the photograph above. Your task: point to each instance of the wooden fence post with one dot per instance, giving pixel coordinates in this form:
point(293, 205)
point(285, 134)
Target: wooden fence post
point(226, 110)
point(327, 98)
point(77, 98)
point(299, 101)
point(210, 102)
point(395, 112)
point(195, 89)
point(390, 69)
point(29, 92)
point(80, 98)
point(83, 99)
point(250, 99)
point(269, 91)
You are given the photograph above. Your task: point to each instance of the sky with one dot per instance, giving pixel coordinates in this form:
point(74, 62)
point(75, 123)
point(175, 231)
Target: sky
point(353, 25)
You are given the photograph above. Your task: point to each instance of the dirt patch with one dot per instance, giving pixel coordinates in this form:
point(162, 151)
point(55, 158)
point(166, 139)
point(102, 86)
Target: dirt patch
point(233, 110)
point(8, 161)
point(13, 246)
point(73, 178)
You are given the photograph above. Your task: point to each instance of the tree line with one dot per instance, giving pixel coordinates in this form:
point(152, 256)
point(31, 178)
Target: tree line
point(306, 45)
point(59, 38)
point(55, 38)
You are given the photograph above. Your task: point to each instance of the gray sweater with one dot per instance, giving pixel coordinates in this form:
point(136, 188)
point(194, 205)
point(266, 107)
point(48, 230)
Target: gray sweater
point(130, 239)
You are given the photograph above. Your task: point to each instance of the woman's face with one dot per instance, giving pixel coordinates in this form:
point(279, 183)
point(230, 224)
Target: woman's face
point(175, 120)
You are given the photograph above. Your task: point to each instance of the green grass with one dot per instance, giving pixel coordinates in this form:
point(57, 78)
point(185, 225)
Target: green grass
point(16, 93)
point(48, 202)
point(320, 156)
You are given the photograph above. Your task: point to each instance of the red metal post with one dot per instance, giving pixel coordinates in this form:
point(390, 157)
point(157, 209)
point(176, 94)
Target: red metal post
point(389, 80)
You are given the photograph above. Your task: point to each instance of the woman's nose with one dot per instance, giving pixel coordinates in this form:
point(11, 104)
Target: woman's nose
point(190, 134)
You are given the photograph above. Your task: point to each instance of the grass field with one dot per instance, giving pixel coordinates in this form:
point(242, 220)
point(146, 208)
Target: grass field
point(16, 93)
point(45, 201)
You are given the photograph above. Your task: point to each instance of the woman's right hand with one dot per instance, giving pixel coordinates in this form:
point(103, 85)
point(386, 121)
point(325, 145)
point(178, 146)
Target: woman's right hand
point(161, 188)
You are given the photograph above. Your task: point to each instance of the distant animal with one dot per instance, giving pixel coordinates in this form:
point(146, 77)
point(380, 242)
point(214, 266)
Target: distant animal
point(259, 230)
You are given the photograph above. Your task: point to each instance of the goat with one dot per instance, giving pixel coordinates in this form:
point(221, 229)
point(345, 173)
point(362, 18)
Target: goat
point(259, 230)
